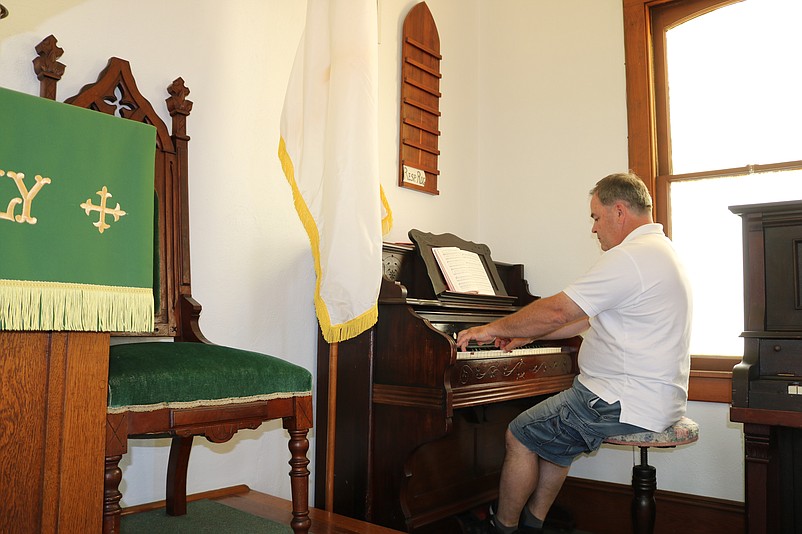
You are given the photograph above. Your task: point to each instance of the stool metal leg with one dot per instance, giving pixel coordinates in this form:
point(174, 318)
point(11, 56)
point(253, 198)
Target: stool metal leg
point(644, 484)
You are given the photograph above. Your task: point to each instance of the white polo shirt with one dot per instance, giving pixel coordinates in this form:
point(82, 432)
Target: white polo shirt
point(638, 298)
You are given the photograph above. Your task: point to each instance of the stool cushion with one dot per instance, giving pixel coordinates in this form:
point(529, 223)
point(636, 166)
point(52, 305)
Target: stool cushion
point(680, 433)
point(149, 376)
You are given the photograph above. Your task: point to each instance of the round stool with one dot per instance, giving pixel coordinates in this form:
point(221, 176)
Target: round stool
point(644, 476)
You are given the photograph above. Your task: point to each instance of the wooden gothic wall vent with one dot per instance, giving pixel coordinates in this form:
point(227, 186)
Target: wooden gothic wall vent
point(420, 101)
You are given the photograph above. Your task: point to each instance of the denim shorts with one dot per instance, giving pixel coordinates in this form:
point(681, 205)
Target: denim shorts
point(567, 424)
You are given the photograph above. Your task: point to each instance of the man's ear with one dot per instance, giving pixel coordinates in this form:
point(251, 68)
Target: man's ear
point(619, 210)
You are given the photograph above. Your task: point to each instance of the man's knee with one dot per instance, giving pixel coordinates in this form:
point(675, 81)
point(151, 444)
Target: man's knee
point(515, 446)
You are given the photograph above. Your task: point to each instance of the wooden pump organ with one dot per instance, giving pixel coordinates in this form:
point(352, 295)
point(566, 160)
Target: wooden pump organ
point(419, 425)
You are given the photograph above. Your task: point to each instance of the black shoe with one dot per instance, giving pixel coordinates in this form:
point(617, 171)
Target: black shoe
point(559, 519)
point(486, 526)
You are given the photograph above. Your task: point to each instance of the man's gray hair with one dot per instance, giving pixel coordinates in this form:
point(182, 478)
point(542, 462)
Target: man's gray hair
point(626, 187)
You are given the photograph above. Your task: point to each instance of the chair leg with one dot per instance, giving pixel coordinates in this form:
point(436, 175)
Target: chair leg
point(299, 481)
point(644, 484)
point(177, 467)
point(112, 495)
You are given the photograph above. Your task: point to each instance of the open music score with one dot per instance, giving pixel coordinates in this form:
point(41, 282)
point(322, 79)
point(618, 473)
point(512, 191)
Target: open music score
point(463, 270)
point(487, 352)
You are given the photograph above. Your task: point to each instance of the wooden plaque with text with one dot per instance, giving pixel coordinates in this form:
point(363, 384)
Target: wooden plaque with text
point(420, 101)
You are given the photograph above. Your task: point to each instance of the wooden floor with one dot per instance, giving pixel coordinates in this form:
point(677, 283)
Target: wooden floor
point(276, 509)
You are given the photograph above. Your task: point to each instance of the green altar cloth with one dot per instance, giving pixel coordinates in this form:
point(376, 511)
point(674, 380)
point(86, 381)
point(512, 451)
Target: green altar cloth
point(76, 218)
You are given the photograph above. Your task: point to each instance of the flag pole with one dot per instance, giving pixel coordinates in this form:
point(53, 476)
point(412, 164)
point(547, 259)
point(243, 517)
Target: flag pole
point(331, 426)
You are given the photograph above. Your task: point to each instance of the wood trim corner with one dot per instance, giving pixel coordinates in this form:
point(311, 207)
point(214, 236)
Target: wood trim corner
point(711, 378)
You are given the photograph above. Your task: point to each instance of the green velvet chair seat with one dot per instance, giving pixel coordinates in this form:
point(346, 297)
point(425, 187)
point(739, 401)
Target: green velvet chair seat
point(154, 375)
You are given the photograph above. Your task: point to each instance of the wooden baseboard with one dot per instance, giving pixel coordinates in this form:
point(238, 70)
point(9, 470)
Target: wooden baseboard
point(603, 508)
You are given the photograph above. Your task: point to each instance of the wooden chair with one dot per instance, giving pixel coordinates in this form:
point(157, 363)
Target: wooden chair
point(187, 387)
point(644, 476)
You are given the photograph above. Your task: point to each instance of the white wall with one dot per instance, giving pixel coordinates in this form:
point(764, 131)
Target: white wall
point(552, 122)
point(533, 114)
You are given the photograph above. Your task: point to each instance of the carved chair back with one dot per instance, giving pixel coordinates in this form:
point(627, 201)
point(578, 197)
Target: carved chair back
point(115, 93)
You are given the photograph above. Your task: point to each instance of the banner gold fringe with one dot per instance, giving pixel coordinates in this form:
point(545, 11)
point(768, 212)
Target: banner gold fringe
point(357, 325)
point(387, 220)
point(26, 305)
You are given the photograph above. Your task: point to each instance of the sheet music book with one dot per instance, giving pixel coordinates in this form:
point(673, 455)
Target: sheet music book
point(463, 271)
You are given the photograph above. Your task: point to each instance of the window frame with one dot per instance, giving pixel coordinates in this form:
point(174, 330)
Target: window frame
point(649, 153)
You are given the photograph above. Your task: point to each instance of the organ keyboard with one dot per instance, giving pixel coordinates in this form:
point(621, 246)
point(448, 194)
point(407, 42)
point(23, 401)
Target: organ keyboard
point(481, 352)
point(420, 424)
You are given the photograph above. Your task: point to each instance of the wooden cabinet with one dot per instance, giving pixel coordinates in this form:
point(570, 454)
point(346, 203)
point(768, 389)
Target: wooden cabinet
point(52, 431)
point(766, 394)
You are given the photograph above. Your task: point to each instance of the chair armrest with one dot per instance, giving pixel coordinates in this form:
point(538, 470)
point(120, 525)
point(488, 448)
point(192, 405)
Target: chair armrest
point(190, 310)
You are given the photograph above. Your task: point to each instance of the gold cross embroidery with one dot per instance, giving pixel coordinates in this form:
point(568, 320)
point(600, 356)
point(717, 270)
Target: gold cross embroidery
point(103, 210)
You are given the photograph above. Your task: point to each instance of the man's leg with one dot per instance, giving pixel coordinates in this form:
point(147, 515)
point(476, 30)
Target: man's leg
point(519, 477)
point(526, 479)
point(549, 483)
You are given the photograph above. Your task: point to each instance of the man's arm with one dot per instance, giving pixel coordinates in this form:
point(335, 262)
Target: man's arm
point(557, 314)
point(570, 330)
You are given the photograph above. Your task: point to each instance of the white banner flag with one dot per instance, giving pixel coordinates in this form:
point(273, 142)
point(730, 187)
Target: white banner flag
point(329, 153)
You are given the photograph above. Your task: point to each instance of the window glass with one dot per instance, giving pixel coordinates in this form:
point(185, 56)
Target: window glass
point(707, 236)
point(735, 86)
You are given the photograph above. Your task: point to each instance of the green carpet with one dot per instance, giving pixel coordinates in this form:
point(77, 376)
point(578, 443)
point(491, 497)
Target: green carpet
point(203, 517)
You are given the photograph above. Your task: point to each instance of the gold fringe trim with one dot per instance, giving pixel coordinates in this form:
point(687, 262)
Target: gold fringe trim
point(387, 220)
point(208, 402)
point(35, 305)
point(331, 333)
point(341, 332)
